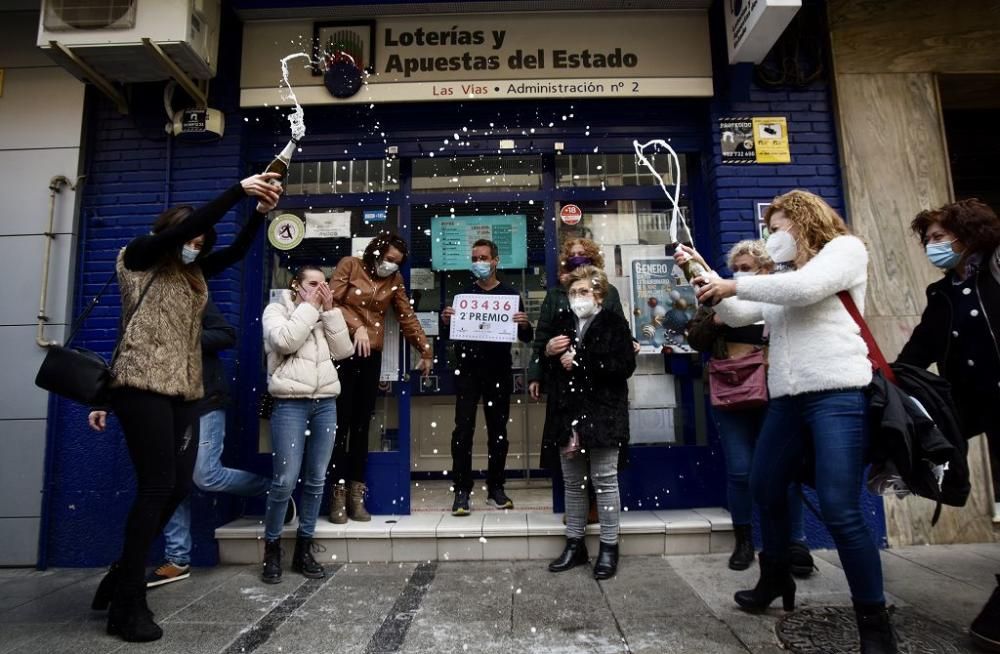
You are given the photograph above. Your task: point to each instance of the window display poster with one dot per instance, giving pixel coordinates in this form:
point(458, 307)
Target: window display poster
point(452, 238)
point(662, 305)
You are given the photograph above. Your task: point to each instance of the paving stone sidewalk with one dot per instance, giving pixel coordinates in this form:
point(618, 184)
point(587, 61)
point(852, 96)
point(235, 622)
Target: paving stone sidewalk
point(679, 604)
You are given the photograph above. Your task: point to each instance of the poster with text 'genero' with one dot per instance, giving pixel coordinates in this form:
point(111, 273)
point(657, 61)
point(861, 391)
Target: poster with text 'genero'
point(452, 238)
point(662, 304)
point(479, 317)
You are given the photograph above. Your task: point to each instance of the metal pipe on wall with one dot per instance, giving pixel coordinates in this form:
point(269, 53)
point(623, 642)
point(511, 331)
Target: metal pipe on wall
point(55, 187)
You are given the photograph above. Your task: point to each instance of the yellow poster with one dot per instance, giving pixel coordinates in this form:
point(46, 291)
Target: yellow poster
point(770, 137)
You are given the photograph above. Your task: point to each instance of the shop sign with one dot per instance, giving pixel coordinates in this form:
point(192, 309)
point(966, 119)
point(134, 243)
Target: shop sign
point(482, 317)
point(492, 56)
point(753, 26)
point(761, 139)
point(452, 238)
point(193, 120)
point(286, 231)
point(570, 214)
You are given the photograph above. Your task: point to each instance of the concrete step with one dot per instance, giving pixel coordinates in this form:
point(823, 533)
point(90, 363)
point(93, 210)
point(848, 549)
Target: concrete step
point(483, 536)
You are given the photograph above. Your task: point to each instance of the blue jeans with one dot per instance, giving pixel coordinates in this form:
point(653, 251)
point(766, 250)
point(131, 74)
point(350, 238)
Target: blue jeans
point(738, 431)
point(210, 476)
point(302, 436)
point(837, 422)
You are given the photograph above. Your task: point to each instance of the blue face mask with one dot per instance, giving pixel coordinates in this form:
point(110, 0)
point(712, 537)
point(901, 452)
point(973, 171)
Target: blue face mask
point(482, 269)
point(189, 254)
point(942, 256)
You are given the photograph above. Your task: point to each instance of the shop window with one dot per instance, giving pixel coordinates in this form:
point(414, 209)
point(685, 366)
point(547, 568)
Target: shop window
point(657, 305)
point(480, 173)
point(353, 176)
point(611, 170)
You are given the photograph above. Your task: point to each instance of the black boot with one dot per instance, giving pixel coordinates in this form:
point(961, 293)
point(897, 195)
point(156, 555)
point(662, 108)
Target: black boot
point(800, 560)
point(271, 573)
point(775, 581)
point(575, 554)
point(743, 552)
point(607, 561)
point(875, 629)
point(303, 561)
point(130, 617)
point(106, 589)
point(985, 629)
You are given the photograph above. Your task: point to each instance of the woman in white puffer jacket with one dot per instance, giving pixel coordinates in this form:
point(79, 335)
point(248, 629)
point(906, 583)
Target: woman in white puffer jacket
point(303, 334)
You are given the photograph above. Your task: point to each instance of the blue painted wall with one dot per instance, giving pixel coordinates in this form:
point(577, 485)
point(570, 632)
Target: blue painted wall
point(134, 172)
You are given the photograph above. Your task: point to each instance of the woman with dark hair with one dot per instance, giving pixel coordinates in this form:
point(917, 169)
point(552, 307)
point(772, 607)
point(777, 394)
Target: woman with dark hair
point(958, 332)
point(363, 289)
point(157, 378)
point(303, 334)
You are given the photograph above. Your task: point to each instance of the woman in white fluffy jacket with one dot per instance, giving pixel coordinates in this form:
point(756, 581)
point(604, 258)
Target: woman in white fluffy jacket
point(303, 334)
point(818, 369)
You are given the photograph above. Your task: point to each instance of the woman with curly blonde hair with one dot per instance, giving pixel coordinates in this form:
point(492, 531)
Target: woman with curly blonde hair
point(818, 370)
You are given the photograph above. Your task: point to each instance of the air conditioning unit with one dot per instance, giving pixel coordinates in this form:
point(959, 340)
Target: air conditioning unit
point(108, 35)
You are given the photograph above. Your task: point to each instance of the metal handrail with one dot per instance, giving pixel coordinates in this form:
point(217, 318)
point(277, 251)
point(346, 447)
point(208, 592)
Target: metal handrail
point(55, 187)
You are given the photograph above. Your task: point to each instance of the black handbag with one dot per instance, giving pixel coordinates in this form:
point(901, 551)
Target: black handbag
point(79, 374)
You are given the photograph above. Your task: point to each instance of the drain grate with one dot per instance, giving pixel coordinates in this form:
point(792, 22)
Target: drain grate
point(832, 630)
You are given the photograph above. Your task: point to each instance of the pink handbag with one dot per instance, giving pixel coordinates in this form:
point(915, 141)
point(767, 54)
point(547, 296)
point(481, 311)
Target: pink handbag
point(738, 383)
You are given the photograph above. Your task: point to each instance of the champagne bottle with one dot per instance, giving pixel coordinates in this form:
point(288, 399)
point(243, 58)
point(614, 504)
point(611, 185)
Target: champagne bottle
point(281, 162)
point(692, 269)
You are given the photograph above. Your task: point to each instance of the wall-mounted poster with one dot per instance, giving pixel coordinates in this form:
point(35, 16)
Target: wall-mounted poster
point(761, 140)
point(452, 238)
point(662, 305)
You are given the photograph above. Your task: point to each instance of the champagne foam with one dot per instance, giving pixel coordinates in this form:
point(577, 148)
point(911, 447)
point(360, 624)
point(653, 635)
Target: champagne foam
point(297, 118)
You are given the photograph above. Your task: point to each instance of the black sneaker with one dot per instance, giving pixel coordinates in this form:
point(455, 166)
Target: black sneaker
point(167, 573)
point(290, 511)
point(499, 499)
point(461, 504)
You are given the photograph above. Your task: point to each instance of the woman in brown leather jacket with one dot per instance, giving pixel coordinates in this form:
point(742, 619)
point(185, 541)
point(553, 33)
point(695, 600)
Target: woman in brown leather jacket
point(364, 289)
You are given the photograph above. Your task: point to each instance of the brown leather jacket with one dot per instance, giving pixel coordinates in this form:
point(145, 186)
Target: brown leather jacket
point(364, 300)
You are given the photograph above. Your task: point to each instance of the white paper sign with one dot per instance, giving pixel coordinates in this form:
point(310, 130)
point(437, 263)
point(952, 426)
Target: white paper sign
point(428, 322)
point(358, 245)
point(421, 279)
point(330, 224)
point(480, 317)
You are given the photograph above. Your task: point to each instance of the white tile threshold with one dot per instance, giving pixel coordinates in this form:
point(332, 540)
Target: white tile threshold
point(484, 535)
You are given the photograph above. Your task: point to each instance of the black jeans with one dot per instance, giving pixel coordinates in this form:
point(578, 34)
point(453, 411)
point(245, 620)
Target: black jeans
point(494, 388)
point(161, 433)
point(355, 406)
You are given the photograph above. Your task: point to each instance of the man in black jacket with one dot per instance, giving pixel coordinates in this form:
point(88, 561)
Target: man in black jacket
point(484, 371)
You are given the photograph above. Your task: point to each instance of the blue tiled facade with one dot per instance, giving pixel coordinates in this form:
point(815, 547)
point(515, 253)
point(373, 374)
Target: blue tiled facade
point(133, 173)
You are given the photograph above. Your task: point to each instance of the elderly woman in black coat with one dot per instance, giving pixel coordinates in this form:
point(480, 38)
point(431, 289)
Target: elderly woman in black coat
point(589, 361)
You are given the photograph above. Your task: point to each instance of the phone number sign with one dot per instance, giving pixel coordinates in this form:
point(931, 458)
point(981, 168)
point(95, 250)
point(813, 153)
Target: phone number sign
point(485, 318)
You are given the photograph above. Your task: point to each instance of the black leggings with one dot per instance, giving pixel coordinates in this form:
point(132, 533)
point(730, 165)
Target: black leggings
point(161, 433)
point(355, 406)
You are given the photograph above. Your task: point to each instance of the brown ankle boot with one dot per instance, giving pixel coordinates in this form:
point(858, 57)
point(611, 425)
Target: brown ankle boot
point(338, 504)
point(356, 507)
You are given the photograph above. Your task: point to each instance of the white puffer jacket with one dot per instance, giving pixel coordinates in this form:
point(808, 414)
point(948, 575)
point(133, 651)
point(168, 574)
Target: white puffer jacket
point(815, 345)
point(301, 344)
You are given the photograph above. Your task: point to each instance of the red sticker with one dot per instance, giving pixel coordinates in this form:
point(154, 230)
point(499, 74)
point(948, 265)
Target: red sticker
point(570, 214)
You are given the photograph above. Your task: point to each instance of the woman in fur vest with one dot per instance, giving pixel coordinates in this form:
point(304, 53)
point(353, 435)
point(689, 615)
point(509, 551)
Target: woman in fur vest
point(157, 378)
point(818, 370)
point(588, 362)
point(303, 334)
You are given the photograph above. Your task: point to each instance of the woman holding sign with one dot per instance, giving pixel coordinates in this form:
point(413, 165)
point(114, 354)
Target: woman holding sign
point(363, 289)
point(588, 362)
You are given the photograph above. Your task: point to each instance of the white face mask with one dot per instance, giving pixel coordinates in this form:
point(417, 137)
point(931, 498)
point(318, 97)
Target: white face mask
point(781, 247)
point(583, 307)
point(189, 254)
point(743, 273)
point(386, 268)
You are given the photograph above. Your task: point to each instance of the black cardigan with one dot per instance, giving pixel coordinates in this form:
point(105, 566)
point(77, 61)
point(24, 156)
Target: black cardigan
point(951, 336)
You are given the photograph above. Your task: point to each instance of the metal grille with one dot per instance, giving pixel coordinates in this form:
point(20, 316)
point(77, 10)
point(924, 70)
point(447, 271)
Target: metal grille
point(89, 14)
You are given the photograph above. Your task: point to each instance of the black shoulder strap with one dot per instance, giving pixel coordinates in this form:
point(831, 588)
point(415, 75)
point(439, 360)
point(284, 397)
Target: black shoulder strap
point(90, 307)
